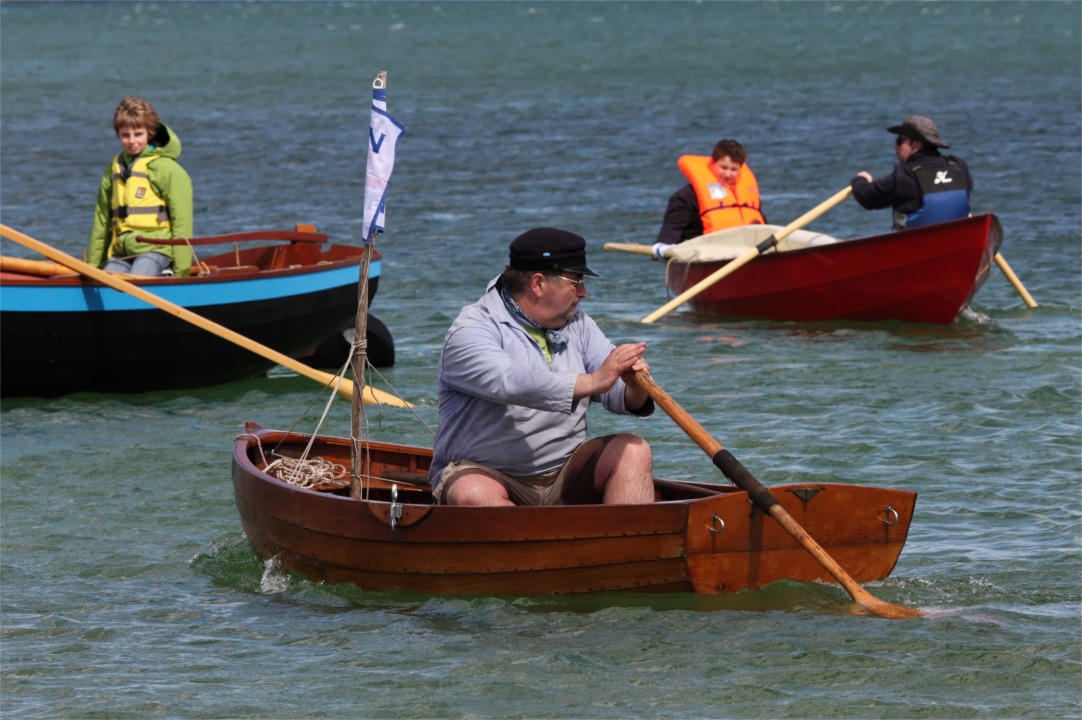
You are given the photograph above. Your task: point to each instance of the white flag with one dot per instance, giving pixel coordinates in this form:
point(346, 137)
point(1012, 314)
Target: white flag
point(383, 135)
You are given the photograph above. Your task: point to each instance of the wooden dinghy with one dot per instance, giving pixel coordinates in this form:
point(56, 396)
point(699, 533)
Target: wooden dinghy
point(359, 511)
point(64, 333)
point(698, 537)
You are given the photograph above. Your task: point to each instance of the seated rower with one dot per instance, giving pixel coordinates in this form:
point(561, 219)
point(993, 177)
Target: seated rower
point(925, 186)
point(518, 371)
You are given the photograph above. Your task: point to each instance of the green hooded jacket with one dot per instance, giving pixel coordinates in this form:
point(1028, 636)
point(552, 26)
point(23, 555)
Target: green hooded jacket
point(172, 184)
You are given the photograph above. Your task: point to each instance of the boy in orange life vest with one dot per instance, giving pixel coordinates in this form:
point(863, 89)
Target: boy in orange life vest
point(721, 193)
point(143, 192)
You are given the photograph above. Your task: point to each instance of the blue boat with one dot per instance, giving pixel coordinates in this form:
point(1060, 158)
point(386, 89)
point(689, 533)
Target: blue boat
point(62, 333)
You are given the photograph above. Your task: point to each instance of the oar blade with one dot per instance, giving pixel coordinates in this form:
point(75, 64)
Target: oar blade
point(1014, 281)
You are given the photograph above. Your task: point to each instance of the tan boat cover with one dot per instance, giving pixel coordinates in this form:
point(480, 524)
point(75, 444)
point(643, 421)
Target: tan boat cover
point(734, 242)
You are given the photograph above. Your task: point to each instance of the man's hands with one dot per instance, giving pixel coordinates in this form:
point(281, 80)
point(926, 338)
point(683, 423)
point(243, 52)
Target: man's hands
point(622, 359)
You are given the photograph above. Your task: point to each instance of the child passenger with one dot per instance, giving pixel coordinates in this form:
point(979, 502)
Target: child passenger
point(721, 193)
point(144, 192)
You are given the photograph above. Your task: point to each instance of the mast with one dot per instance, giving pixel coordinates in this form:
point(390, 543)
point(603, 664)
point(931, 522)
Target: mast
point(359, 358)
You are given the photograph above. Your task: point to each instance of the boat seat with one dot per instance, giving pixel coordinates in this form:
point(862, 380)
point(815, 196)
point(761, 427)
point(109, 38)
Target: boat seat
point(412, 478)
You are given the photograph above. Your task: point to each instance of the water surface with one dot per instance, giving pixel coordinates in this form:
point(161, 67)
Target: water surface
point(128, 589)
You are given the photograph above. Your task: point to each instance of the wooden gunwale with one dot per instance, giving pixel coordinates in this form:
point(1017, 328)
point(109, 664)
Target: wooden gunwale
point(247, 264)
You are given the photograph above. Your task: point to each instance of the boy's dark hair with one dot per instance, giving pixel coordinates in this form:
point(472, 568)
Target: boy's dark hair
point(730, 149)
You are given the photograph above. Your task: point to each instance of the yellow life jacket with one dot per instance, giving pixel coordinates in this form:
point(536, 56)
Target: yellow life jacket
point(720, 206)
point(135, 204)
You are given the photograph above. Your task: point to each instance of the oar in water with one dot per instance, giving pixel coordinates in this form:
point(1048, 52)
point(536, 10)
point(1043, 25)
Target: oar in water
point(1013, 279)
point(735, 471)
point(345, 389)
point(734, 265)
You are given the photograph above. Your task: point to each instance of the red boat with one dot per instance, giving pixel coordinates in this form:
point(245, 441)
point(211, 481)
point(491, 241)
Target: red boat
point(924, 274)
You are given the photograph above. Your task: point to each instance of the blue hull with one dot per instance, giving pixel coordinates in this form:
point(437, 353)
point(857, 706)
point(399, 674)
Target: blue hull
point(66, 335)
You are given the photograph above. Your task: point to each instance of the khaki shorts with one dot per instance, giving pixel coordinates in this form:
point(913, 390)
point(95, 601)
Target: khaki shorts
point(573, 484)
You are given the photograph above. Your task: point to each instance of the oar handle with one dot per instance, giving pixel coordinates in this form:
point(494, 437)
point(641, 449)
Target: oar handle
point(764, 500)
point(634, 248)
point(813, 213)
point(722, 458)
point(345, 389)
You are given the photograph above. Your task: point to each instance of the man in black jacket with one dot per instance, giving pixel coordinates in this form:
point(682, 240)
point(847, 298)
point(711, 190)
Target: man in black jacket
point(925, 187)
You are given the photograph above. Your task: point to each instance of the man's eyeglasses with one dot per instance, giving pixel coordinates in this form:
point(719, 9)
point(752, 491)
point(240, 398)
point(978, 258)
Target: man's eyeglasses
point(581, 282)
point(901, 140)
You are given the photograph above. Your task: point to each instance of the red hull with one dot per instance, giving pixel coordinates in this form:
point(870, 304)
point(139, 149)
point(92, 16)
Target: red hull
point(922, 275)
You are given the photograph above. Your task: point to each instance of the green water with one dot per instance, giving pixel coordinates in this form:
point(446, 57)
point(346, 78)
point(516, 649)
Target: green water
point(127, 589)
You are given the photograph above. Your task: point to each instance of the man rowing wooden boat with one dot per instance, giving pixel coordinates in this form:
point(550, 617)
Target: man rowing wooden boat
point(519, 369)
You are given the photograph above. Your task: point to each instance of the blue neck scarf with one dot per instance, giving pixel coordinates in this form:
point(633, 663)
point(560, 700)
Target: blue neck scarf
point(556, 339)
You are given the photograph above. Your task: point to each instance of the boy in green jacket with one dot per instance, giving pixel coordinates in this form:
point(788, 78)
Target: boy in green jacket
point(144, 192)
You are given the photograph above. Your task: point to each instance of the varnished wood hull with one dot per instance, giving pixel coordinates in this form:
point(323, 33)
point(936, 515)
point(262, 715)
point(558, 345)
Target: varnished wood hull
point(698, 537)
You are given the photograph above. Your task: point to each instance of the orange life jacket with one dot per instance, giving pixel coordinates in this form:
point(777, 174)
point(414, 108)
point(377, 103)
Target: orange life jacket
point(720, 206)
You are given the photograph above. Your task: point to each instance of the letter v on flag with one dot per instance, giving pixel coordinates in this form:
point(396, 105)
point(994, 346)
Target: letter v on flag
point(383, 134)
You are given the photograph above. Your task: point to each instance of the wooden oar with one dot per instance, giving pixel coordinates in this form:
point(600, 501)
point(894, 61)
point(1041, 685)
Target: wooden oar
point(345, 389)
point(734, 265)
point(1002, 262)
point(33, 267)
point(735, 471)
point(633, 248)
